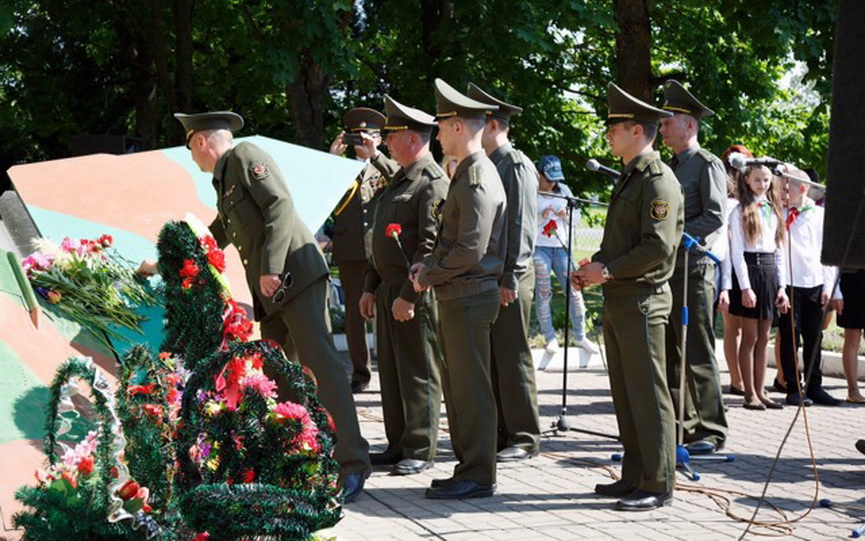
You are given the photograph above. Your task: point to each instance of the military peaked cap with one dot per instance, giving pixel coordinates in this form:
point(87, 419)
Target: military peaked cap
point(402, 117)
point(450, 102)
point(679, 100)
point(505, 110)
point(363, 119)
point(624, 107)
point(217, 120)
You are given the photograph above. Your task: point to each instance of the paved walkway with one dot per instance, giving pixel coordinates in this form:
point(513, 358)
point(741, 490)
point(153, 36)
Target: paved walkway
point(550, 497)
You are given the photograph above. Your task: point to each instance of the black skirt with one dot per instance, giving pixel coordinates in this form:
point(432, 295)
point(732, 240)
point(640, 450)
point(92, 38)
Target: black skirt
point(763, 274)
point(853, 289)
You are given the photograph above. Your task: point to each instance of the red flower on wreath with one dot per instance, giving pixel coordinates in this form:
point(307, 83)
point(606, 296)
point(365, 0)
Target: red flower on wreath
point(550, 228)
point(133, 390)
point(248, 475)
point(217, 259)
point(189, 270)
point(235, 325)
point(85, 466)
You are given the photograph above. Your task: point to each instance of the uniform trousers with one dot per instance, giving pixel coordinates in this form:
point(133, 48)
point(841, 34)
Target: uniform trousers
point(351, 278)
point(302, 326)
point(408, 369)
point(513, 371)
point(634, 321)
point(465, 324)
point(807, 316)
point(704, 405)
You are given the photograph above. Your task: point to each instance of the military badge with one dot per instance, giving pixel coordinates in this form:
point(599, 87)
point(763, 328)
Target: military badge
point(438, 209)
point(659, 210)
point(259, 171)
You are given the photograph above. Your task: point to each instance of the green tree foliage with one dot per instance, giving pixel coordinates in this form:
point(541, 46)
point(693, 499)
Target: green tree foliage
point(291, 67)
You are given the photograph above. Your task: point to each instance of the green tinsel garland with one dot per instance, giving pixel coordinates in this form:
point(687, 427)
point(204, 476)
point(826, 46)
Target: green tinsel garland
point(149, 448)
point(55, 516)
point(193, 328)
point(307, 498)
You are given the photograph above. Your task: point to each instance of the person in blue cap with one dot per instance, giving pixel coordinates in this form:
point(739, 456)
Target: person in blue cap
point(551, 255)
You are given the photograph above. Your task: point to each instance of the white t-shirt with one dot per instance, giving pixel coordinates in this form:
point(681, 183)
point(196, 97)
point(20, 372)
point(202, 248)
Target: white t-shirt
point(545, 203)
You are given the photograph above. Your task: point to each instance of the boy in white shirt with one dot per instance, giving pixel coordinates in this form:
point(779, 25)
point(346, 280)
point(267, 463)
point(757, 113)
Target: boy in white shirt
point(809, 290)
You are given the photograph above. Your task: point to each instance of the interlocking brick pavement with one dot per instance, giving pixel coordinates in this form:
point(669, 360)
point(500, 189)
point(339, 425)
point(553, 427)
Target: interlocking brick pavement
point(550, 497)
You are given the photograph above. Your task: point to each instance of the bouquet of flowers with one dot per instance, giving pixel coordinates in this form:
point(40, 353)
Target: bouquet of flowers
point(89, 283)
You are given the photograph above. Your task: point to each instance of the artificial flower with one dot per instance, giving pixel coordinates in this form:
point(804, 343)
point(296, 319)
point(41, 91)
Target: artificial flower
point(189, 269)
point(85, 466)
point(217, 259)
point(128, 490)
point(133, 390)
point(260, 383)
point(393, 230)
point(248, 475)
point(212, 408)
point(550, 228)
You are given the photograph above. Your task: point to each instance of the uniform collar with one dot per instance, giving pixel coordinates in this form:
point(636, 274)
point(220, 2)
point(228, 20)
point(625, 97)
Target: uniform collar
point(687, 154)
point(468, 162)
point(641, 162)
point(498, 154)
point(413, 171)
point(219, 168)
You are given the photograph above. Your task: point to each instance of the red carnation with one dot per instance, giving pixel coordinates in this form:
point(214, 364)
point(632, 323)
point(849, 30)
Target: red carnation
point(153, 410)
point(248, 475)
point(216, 257)
point(189, 270)
point(550, 228)
point(85, 466)
point(393, 230)
point(209, 243)
point(188, 282)
point(106, 241)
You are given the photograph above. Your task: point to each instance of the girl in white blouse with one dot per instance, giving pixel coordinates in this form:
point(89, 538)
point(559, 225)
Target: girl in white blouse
point(758, 289)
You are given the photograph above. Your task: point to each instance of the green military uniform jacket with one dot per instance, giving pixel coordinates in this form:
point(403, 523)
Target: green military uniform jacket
point(704, 182)
point(644, 224)
point(469, 254)
point(352, 227)
point(412, 199)
point(520, 181)
point(256, 214)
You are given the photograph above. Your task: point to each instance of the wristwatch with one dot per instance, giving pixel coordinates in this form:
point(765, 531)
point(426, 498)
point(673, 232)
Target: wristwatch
point(605, 273)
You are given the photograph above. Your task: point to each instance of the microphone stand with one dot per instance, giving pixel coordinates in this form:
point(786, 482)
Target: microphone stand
point(562, 424)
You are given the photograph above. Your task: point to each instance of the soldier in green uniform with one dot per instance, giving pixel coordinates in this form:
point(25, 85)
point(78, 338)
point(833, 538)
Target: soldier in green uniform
point(408, 354)
point(704, 182)
point(513, 372)
point(352, 236)
point(637, 256)
point(285, 270)
point(464, 269)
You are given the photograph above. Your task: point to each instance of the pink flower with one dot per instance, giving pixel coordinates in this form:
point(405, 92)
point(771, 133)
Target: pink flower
point(265, 386)
point(69, 245)
point(286, 411)
point(36, 261)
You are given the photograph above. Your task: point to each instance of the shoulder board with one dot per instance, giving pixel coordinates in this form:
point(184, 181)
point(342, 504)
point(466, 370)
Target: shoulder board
point(433, 171)
point(475, 174)
point(706, 155)
point(654, 168)
point(516, 156)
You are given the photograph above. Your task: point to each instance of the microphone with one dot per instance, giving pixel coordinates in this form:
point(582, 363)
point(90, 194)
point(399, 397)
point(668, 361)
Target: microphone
point(693, 244)
point(595, 165)
point(739, 161)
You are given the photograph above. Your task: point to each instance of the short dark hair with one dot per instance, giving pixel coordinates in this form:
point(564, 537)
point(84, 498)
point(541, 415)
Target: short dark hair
point(650, 129)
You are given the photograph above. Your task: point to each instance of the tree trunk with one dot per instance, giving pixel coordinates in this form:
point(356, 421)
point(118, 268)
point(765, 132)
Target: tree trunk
point(633, 47)
point(183, 50)
point(307, 94)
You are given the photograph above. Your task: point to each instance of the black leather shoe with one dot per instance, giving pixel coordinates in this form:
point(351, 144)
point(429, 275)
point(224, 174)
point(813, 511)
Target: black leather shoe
point(411, 466)
point(778, 387)
point(794, 399)
point(438, 483)
point(358, 386)
point(735, 391)
point(387, 458)
point(352, 485)
point(514, 453)
point(640, 500)
point(460, 490)
point(821, 397)
point(702, 447)
point(860, 446)
point(619, 489)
